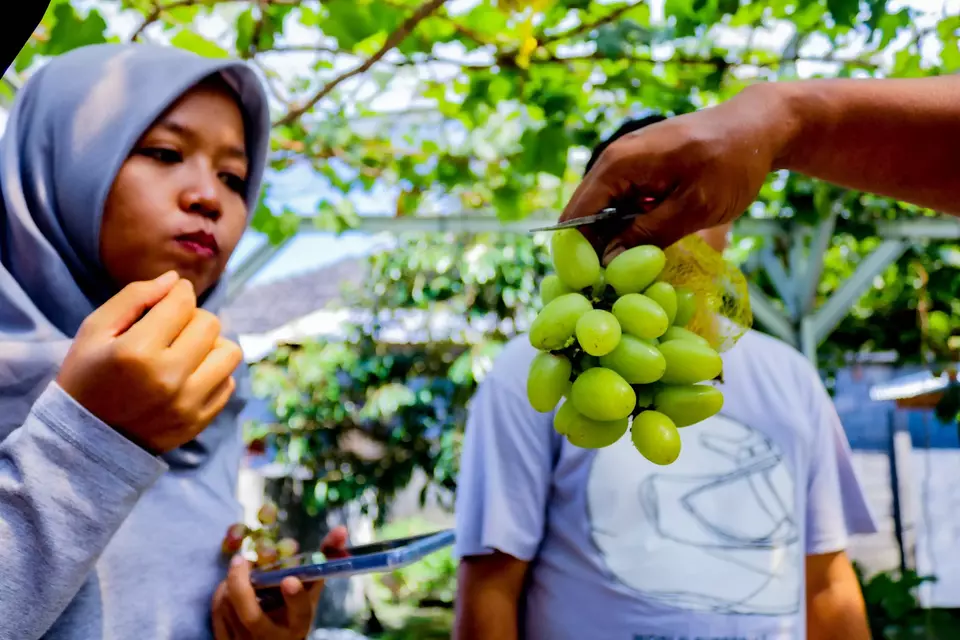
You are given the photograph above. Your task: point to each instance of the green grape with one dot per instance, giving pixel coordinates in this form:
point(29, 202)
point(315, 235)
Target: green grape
point(557, 321)
point(599, 285)
point(574, 259)
point(633, 270)
point(688, 404)
point(551, 287)
point(266, 553)
point(598, 332)
point(656, 437)
point(287, 547)
point(585, 433)
point(689, 362)
point(267, 515)
point(547, 381)
point(640, 316)
point(601, 394)
point(664, 295)
point(679, 333)
point(637, 361)
point(686, 307)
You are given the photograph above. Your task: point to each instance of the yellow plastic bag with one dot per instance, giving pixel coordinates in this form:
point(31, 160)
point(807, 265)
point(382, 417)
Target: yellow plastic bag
point(723, 313)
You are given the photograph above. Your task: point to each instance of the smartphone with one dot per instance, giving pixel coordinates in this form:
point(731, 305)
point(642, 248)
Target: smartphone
point(376, 557)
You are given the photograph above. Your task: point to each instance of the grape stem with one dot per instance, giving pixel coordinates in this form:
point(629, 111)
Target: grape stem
point(575, 355)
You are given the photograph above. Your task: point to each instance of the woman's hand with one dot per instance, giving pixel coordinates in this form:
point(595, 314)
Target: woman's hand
point(237, 615)
point(152, 365)
point(688, 173)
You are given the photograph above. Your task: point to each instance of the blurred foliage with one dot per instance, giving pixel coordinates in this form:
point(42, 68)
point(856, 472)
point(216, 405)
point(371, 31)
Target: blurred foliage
point(894, 610)
point(490, 106)
point(429, 583)
point(361, 412)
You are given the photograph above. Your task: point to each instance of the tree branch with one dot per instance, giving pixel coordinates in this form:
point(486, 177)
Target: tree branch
point(308, 48)
point(392, 41)
point(672, 60)
point(587, 27)
point(157, 11)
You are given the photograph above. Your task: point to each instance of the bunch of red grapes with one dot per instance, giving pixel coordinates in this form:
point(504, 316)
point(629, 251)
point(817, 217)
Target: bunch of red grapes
point(261, 544)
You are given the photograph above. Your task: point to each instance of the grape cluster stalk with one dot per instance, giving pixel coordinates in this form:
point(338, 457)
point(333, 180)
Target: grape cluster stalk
point(614, 347)
point(261, 545)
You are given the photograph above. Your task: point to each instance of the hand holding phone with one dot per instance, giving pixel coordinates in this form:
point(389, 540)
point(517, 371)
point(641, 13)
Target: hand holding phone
point(285, 612)
point(370, 558)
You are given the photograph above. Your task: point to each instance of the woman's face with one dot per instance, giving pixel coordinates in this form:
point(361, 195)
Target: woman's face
point(178, 200)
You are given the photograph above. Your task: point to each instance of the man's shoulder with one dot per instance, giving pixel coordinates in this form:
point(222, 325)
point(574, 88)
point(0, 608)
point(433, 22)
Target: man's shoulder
point(761, 362)
point(513, 362)
point(758, 346)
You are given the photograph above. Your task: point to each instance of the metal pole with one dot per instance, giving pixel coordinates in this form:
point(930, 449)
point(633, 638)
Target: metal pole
point(895, 488)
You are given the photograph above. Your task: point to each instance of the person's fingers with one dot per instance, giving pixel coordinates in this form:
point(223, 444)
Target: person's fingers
point(234, 627)
point(591, 196)
point(661, 227)
point(314, 591)
point(299, 606)
point(121, 311)
point(195, 341)
point(164, 322)
point(212, 376)
point(217, 400)
point(334, 544)
point(220, 630)
point(243, 599)
point(219, 608)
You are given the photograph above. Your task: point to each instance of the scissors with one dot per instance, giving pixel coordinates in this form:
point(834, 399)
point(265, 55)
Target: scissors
point(610, 214)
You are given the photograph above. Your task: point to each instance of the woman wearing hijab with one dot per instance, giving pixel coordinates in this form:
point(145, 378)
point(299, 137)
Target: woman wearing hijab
point(128, 173)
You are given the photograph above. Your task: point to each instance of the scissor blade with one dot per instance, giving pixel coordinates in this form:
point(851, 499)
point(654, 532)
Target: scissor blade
point(606, 214)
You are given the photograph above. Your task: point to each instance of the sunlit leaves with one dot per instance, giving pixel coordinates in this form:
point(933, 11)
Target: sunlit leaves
point(190, 41)
point(350, 22)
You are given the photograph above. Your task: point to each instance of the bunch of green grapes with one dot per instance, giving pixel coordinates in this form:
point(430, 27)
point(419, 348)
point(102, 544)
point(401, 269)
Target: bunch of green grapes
point(261, 544)
point(612, 342)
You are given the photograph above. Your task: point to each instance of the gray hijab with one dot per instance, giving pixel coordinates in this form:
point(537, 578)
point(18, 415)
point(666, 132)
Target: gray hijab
point(71, 128)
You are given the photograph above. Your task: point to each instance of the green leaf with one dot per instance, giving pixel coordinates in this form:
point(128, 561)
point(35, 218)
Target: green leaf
point(245, 27)
point(198, 44)
point(350, 22)
point(545, 150)
point(181, 15)
point(843, 11)
point(506, 200)
point(71, 31)
point(949, 31)
point(889, 26)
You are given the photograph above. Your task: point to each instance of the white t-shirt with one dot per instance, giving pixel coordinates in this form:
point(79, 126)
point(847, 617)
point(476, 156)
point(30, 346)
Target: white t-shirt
point(709, 548)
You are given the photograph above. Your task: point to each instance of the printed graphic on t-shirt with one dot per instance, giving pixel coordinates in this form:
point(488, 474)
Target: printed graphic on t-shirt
point(715, 532)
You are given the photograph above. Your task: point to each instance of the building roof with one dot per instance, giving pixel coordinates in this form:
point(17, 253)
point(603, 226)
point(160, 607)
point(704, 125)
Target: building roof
point(911, 386)
point(269, 306)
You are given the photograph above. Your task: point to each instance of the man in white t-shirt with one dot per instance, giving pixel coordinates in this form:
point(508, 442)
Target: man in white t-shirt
point(742, 538)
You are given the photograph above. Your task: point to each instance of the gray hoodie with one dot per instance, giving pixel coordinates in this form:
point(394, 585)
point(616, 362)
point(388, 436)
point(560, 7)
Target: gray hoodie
point(98, 538)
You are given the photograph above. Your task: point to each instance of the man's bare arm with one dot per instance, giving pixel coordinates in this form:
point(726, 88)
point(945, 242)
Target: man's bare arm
point(899, 138)
point(894, 137)
point(489, 589)
point(835, 607)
